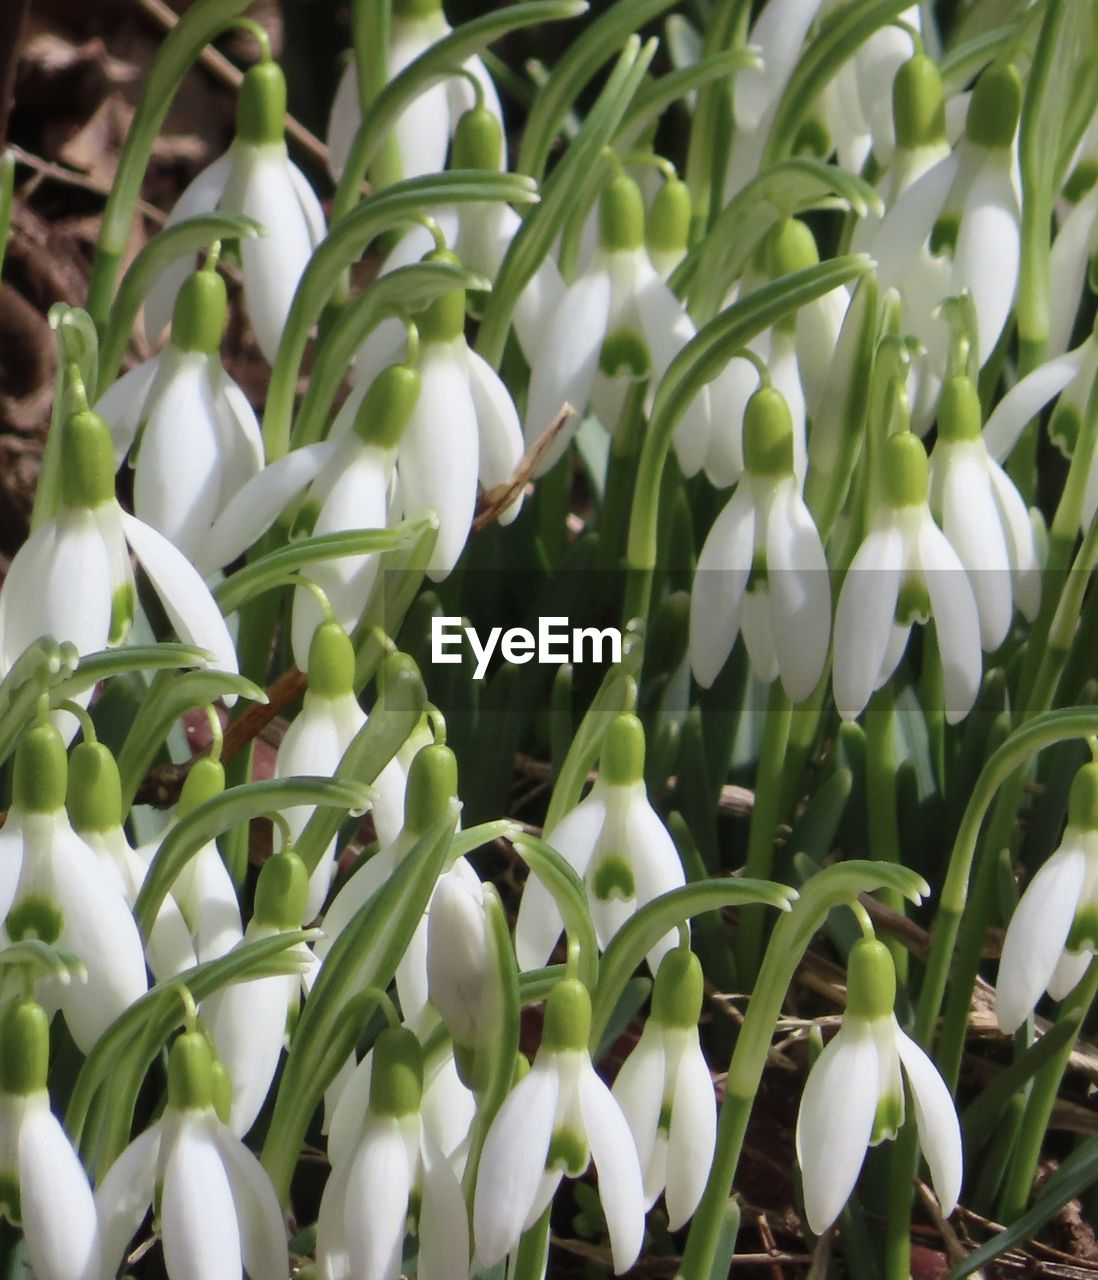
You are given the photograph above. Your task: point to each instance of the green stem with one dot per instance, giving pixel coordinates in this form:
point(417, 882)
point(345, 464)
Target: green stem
point(620, 475)
point(881, 802)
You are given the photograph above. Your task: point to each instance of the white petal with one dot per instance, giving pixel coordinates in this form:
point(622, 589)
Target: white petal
point(422, 130)
point(1037, 934)
point(986, 259)
point(262, 1229)
point(1021, 543)
point(1068, 270)
point(59, 1218)
point(936, 1119)
point(729, 393)
point(311, 208)
point(349, 1113)
point(693, 1135)
point(1069, 972)
point(955, 619)
point(657, 868)
point(716, 598)
point(614, 1154)
point(779, 32)
point(905, 229)
point(512, 1164)
point(353, 895)
point(835, 1122)
point(499, 432)
point(800, 594)
point(122, 405)
point(198, 1223)
point(241, 436)
point(213, 906)
point(443, 1218)
point(248, 1022)
point(123, 1197)
point(344, 119)
point(818, 327)
point(639, 1090)
point(1027, 398)
point(864, 617)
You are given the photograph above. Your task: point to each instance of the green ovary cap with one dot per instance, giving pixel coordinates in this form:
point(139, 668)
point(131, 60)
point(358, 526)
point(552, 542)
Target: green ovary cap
point(87, 461)
point(567, 1017)
point(198, 321)
point(190, 1073)
point(41, 771)
point(95, 788)
point(677, 996)
point(432, 784)
point(390, 399)
point(205, 780)
point(905, 474)
point(959, 416)
point(918, 103)
point(995, 106)
point(222, 1091)
point(281, 892)
point(668, 228)
point(1083, 799)
point(478, 141)
point(331, 662)
point(870, 981)
point(789, 247)
point(396, 1079)
point(621, 215)
point(261, 105)
point(24, 1048)
point(768, 434)
point(444, 319)
point(622, 761)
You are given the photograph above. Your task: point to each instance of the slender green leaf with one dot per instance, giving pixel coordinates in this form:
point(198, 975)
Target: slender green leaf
point(570, 896)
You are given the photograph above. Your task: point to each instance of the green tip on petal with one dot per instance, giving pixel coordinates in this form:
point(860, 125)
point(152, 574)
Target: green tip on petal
point(331, 662)
point(1083, 799)
point(622, 761)
point(679, 989)
point(905, 473)
point(87, 461)
point(959, 414)
point(24, 1048)
point(432, 784)
point(478, 141)
point(814, 139)
point(567, 1017)
point(668, 225)
point(396, 1078)
point(281, 892)
point(389, 401)
point(41, 771)
point(190, 1072)
point(261, 105)
point(995, 107)
point(918, 103)
point(870, 981)
point(95, 788)
point(768, 434)
point(621, 215)
point(198, 321)
point(205, 780)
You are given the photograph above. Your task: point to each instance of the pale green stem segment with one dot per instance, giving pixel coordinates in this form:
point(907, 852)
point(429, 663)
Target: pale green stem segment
point(882, 800)
point(371, 27)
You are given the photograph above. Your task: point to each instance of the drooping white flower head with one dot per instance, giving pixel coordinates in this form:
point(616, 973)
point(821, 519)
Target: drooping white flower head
point(904, 572)
point(459, 961)
point(616, 842)
point(199, 439)
point(666, 1093)
point(396, 1171)
point(762, 569)
point(854, 1096)
point(556, 1121)
point(314, 743)
point(1053, 934)
point(983, 516)
point(219, 1215)
point(52, 888)
point(257, 178)
point(422, 130)
point(43, 1186)
point(617, 322)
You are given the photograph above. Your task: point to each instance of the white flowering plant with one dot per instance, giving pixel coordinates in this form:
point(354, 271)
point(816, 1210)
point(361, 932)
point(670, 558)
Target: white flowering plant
point(348, 931)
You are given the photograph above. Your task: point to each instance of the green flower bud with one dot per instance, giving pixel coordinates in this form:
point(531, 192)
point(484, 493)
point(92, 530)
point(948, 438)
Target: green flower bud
point(622, 759)
point(261, 105)
point(959, 414)
point(905, 473)
point(478, 141)
point(191, 1073)
point(331, 662)
point(281, 891)
point(87, 461)
point(432, 784)
point(870, 981)
point(668, 226)
point(1083, 799)
point(1081, 180)
point(41, 771)
point(24, 1048)
point(205, 780)
point(390, 399)
point(679, 989)
point(95, 788)
point(788, 247)
point(995, 107)
point(567, 1017)
point(198, 321)
point(621, 215)
point(396, 1078)
point(918, 103)
point(768, 434)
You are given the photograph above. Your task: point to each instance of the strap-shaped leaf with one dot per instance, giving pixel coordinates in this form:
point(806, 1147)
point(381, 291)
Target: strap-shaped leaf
point(570, 897)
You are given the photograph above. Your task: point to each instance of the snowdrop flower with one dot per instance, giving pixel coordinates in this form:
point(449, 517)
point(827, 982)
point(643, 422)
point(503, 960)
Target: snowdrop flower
point(329, 719)
point(95, 807)
point(200, 441)
point(459, 959)
point(1071, 267)
point(557, 1120)
point(618, 319)
point(72, 578)
point(218, 1213)
point(904, 572)
point(52, 888)
point(762, 568)
point(666, 1093)
point(257, 178)
point(397, 1171)
point(854, 1096)
point(1053, 934)
point(248, 1019)
point(616, 843)
point(422, 130)
point(43, 1186)
point(983, 516)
